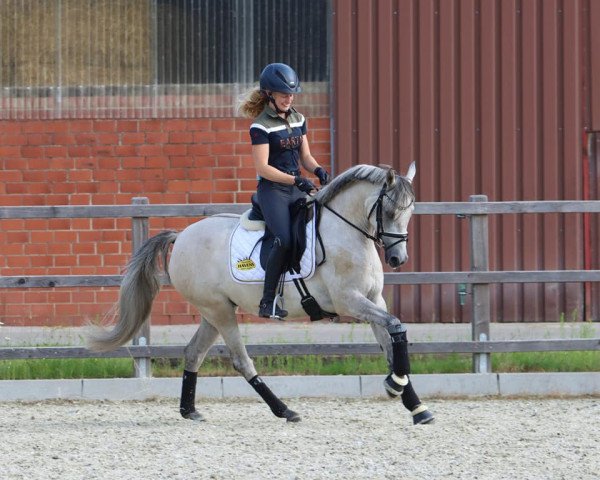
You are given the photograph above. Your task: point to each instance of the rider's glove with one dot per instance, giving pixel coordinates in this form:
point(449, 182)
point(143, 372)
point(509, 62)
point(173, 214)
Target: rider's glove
point(322, 174)
point(304, 184)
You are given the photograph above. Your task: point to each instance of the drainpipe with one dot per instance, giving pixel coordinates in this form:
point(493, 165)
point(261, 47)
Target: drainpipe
point(588, 154)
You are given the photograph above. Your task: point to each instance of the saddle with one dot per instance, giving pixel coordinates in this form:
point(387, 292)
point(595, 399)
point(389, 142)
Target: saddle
point(249, 267)
point(301, 215)
point(251, 242)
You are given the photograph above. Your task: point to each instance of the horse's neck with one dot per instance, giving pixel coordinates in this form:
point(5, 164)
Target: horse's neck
point(352, 204)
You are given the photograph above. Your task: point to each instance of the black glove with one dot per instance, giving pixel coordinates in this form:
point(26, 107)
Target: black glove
point(304, 184)
point(322, 174)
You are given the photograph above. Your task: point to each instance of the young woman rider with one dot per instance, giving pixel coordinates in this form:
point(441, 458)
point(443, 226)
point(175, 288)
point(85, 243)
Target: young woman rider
point(279, 147)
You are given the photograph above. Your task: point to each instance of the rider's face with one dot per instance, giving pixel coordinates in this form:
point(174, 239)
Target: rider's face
point(283, 100)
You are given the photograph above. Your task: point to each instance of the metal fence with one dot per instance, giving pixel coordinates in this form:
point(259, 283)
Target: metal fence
point(153, 58)
point(477, 210)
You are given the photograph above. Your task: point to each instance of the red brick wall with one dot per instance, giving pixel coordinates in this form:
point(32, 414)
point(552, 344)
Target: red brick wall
point(108, 162)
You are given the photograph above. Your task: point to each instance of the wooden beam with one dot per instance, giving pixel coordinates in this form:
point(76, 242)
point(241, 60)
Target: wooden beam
point(482, 208)
point(395, 278)
point(176, 351)
point(206, 209)
point(505, 276)
point(122, 211)
point(50, 281)
point(46, 281)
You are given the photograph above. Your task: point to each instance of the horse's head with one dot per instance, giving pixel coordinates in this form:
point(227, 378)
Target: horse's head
point(391, 214)
point(388, 206)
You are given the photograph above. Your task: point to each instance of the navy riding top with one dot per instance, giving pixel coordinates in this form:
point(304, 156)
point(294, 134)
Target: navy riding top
point(284, 137)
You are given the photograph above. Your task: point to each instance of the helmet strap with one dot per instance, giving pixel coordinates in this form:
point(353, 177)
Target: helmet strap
point(276, 108)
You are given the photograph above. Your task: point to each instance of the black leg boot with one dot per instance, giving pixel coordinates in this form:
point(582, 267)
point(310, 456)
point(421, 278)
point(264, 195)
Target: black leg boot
point(420, 413)
point(267, 307)
point(187, 406)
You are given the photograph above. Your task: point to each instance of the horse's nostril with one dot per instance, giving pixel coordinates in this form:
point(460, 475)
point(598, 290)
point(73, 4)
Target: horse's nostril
point(394, 262)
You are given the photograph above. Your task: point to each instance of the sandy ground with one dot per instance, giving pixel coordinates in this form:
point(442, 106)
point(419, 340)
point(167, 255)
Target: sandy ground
point(337, 439)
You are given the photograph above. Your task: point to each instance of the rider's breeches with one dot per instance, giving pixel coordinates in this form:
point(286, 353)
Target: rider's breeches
point(275, 200)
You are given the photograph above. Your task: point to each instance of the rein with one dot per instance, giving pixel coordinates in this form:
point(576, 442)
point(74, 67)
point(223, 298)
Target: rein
point(380, 232)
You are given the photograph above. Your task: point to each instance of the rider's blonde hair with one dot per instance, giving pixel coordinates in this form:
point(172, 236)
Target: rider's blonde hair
point(252, 103)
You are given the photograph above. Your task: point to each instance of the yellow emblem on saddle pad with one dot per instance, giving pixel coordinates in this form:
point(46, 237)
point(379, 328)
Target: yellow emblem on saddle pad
point(246, 264)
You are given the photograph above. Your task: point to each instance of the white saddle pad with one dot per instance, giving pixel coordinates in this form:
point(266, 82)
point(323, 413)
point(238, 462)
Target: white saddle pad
point(246, 269)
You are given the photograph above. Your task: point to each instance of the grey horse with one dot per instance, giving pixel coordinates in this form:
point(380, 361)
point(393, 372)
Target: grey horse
point(363, 208)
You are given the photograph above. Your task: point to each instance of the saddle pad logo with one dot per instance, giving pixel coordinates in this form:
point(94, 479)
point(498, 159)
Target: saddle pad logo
point(245, 264)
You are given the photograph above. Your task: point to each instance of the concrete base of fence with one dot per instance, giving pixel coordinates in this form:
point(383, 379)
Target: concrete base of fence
point(343, 386)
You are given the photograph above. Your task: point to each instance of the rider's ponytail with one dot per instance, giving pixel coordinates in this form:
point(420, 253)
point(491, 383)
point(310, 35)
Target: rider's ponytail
point(252, 103)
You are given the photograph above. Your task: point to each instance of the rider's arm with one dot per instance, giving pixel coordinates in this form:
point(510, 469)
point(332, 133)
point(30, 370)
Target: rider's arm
point(260, 155)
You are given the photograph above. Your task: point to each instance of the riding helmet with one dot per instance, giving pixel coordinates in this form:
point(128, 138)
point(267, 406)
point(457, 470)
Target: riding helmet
point(279, 77)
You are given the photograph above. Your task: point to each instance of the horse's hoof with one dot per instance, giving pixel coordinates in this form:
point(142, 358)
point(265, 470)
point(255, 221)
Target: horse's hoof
point(394, 385)
point(291, 416)
point(423, 418)
point(193, 415)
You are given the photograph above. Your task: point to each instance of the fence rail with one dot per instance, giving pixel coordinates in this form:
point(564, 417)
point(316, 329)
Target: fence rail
point(477, 211)
point(176, 351)
point(203, 209)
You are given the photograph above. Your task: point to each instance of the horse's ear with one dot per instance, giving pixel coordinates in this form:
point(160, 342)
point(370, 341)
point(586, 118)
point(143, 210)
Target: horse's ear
point(390, 178)
point(412, 170)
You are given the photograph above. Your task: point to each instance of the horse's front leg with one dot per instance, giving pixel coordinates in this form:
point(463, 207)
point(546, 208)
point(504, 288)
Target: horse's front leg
point(375, 313)
point(392, 336)
point(420, 412)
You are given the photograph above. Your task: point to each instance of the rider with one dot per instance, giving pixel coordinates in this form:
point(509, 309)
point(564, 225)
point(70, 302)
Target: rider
point(279, 146)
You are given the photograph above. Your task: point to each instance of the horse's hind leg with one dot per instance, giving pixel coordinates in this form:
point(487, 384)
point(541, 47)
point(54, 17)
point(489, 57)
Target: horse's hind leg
point(420, 413)
point(194, 354)
point(243, 364)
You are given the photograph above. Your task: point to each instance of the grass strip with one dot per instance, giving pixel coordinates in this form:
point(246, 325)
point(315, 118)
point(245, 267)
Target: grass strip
point(584, 361)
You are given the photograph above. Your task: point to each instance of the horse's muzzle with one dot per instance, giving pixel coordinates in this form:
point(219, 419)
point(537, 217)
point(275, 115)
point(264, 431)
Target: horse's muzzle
point(395, 261)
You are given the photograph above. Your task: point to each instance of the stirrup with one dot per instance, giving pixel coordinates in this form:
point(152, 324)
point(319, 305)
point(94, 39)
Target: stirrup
point(271, 310)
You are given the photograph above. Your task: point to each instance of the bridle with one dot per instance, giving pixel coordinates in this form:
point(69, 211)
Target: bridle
point(379, 230)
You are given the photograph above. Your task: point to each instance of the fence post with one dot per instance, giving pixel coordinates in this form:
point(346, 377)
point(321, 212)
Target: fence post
point(480, 315)
point(139, 229)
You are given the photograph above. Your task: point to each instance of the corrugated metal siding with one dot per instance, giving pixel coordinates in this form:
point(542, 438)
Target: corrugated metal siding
point(591, 22)
point(486, 97)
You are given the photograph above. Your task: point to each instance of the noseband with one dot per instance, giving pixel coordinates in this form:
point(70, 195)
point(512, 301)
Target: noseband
point(379, 230)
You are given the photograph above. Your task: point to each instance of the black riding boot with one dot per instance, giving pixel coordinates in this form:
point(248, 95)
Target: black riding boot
point(274, 268)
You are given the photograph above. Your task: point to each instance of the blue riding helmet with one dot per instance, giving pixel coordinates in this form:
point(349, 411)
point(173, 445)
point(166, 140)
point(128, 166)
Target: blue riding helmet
point(279, 77)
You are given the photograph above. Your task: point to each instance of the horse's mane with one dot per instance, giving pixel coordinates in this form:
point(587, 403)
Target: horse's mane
point(401, 195)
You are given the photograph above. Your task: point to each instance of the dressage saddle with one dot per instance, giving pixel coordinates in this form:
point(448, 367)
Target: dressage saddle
point(300, 214)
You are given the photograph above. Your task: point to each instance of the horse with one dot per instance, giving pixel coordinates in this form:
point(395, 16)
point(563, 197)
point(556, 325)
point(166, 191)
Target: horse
point(363, 208)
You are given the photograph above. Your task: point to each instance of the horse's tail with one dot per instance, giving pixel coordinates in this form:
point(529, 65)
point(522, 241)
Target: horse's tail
point(138, 289)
